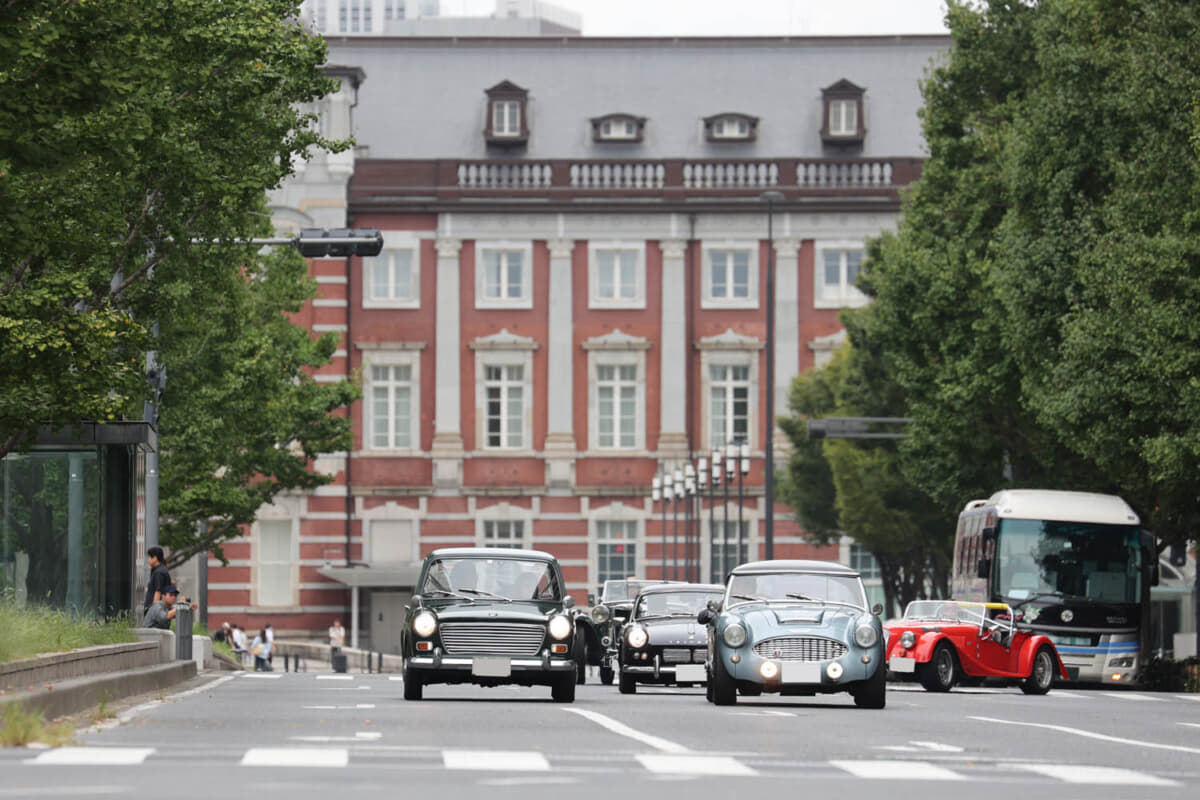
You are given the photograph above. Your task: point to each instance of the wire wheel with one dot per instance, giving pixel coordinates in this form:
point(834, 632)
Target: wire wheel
point(1041, 674)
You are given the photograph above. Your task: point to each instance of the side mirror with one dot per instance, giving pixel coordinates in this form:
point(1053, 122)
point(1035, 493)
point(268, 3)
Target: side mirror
point(877, 609)
point(989, 533)
point(713, 605)
point(984, 568)
point(415, 599)
point(705, 616)
point(568, 602)
point(591, 599)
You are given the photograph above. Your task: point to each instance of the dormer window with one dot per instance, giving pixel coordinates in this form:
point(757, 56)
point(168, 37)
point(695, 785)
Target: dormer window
point(842, 121)
point(731, 128)
point(618, 128)
point(507, 118)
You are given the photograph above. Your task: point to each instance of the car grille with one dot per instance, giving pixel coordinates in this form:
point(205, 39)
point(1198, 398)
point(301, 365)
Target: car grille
point(682, 655)
point(492, 638)
point(800, 648)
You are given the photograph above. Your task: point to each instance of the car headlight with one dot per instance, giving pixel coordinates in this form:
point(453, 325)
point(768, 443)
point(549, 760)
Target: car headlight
point(637, 637)
point(424, 624)
point(865, 635)
point(907, 640)
point(735, 634)
point(560, 626)
point(601, 614)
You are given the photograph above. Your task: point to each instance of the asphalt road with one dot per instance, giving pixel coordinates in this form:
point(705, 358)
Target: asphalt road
point(312, 735)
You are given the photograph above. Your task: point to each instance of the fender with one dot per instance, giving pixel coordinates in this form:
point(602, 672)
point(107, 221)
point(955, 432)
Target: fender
point(1030, 647)
point(926, 642)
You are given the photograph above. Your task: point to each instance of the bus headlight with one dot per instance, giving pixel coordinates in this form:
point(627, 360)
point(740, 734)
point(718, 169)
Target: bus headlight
point(865, 635)
point(424, 624)
point(734, 635)
point(1123, 662)
point(560, 626)
point(637, 637)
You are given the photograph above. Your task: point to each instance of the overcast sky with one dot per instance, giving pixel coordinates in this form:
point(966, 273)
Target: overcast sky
point(741, 17)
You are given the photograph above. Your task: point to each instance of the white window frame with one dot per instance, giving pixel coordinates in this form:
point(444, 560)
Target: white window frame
point(395, 242)
point(504, 358)
point(617, 360)
point(615, 512)
point(639, 278)
point(731, 128)
point(839, 117)
point(730, 358)
point(707, 250)
point(845, 296)
point(609, 130)
point(293, 524)
point(393, 358)
point(504, 512)
point(525, 248)
point(511, 114)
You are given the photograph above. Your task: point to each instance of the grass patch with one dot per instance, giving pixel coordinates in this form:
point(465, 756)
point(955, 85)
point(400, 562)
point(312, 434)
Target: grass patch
point(19, 728)
point(34, 630)
point(218, 647)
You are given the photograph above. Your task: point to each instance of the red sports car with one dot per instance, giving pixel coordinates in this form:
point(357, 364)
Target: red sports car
point(947, 641)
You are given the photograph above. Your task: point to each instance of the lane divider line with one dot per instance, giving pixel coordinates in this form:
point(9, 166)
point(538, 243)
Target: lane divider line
point(1092, 735)
point(496, 760)
point(675, 764)
point(621, 729)
point(1107, 776)
point(898, 770)
point(296, 757)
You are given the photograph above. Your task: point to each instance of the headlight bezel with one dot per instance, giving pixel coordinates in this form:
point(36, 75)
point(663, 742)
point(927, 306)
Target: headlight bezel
point(908, 640)
point(429, 628)
point(865, 635)
point(641, 634)
point(735, 634)
point(601, 614)
point(560, 620)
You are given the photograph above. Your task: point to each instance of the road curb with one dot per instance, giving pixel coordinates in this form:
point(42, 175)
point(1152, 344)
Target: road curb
point(75, 695)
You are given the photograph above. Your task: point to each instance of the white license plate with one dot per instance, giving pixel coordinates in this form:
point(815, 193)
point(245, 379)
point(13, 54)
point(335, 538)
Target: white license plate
point(491, 667)
point(685, 673)
point(902, 664)
point(801, 672)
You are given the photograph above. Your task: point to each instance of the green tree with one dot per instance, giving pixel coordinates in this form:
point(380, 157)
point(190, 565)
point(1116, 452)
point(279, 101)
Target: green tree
point(127, 132)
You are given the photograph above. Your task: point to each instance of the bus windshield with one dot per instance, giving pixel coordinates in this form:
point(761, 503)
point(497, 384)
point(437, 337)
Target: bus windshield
point(1069, 560)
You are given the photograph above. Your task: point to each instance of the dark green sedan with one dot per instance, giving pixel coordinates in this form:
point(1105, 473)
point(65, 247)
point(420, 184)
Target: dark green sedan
point(490, 617)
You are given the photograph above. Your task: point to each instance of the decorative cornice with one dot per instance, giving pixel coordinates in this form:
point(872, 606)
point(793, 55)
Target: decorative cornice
point(390, 345)
point(504, 339)
point(561, 248)
point(729, 340)
point(448, 248)
point(616, 340)
point(673, 248)
point(787, 248)
point(829, 342)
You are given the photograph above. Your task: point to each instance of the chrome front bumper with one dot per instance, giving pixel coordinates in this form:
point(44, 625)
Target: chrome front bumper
point(518, 664)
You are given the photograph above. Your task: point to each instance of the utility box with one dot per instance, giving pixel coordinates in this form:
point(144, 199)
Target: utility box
point(183, 630)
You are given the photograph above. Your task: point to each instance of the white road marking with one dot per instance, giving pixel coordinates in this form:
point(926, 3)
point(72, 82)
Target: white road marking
point(1108, 776)
point(1193, 697)
point(762, 713)
point(1189, 724)
point(395, 677)
point(528, 781)
point(361, 736)
point(296, 757)
point(1072, 695)
point(92, 756)
point(897, 770)
point(496, 760)
point(335, 677)
point(921, 747)
point(64, 791)
point(675, 764)
point(264, 675)
point(355, 707)
point(1140, 698)
point(621, 729)
point(362, 688)
point(1090, 735)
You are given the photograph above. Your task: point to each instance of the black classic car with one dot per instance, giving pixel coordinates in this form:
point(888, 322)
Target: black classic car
point(490, 616)
point(609, 615)
point(662, 642)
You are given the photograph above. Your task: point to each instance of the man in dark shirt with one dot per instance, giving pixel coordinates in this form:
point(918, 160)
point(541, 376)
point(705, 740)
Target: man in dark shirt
point(159, 578)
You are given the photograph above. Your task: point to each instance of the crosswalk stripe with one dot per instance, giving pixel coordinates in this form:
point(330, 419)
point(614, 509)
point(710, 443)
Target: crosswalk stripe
point(1193, 697)
point(335, 677)
point(268, 675)
point(1073, 695)
point(296, 757)
point(1138, 698)
point(1109, 776)
point(674, 764)
point(93, 756)
point(497, 760)
point(897, 770)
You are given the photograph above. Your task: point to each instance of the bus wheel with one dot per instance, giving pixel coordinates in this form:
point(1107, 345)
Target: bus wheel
point(1041, 676)
point(938, 675)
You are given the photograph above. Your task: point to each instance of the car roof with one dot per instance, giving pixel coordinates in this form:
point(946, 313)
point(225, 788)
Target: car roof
point(490, 552)
point(660, 588)
point(793, 565)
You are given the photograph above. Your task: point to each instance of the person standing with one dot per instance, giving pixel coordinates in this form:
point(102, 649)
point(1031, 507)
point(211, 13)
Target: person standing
point(159, 578)
point(337, 637)
point(270, 635)
point(261, 649)
point(240, 644)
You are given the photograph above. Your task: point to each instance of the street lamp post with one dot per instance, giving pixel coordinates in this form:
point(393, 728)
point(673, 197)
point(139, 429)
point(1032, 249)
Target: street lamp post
point(679, 492)
point(730, 469)
point(712, 517)
point(655, 496)
point(667, 494)
point(689, 485)
point(771, 198)
point(701, 485)
point(743, 470)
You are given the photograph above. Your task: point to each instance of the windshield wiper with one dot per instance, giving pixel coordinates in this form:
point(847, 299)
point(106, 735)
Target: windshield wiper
point(448, 593)
point(664, 616)
point(751, 598)
point(1043, 595)
point(483, 593)
point(798, 596)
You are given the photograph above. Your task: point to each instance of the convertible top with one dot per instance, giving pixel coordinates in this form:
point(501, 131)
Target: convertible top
point(491, 552)
point(661, 588)
point(793, 565)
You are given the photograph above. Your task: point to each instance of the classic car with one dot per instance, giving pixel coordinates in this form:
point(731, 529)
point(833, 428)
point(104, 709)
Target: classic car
point(662, 642)
point(948, 641)
point(610, 614)
point(796, 628)
point(490, 616)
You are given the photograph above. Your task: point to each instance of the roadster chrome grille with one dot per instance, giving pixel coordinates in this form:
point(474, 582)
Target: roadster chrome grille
point(682, 655)
point(800, 648)
point(492, 638)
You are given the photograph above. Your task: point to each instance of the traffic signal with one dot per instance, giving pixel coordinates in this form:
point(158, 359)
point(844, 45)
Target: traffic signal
point(339, 242)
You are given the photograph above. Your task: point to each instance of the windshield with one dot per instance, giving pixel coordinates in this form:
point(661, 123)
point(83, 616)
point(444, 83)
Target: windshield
point(1068, 560)
point(674, 604)
point(623, 591)
point(508, 578)
point(797, 586)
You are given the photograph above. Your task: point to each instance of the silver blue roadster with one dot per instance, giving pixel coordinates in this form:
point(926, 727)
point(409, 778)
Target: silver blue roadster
point(795, 628)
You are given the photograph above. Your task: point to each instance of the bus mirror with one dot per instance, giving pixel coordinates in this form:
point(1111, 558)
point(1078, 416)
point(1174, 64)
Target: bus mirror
point(984, 568)
point(989, 533)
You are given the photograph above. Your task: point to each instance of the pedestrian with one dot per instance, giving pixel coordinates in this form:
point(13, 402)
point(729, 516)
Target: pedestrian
point(261, 649)
point(337, 637)
point(240, 644)
point(162, 611)
point(270, 642)
point(224, 634)
point(159, 578)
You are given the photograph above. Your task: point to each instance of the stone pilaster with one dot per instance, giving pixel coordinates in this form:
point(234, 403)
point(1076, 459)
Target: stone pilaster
point(672, 440)
point(560, 433)
point(447, 450)
point(787, 326)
